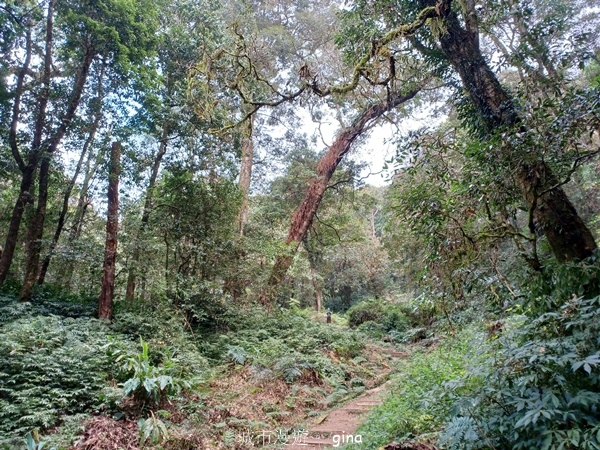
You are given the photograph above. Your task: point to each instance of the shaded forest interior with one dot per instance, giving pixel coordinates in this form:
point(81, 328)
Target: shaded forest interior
point(187, 187)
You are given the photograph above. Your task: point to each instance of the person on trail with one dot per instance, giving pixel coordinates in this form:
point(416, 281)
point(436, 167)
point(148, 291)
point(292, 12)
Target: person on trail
point(328, 315)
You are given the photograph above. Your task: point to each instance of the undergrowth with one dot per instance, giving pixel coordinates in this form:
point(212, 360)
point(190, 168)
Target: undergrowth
point(61, 370)
point(52, 366)
point(417, 403)
point(530, 381)
point(542, 385)
point(58, 364)
point(286, 345)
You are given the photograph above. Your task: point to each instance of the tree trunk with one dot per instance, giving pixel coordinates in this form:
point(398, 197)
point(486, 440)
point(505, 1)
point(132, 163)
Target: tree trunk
point(317, 286)
point(15, 222)
point(304, 215)
point(234, 283)
point(246, 172)
point(313, 257)
point(67, 195)
point(28, 171)
point(105, 303)
point(132, 275)
point(36, 228)
point(552, 212)
point(80, 209)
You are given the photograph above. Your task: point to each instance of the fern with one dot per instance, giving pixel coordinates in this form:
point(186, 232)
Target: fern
point(237, 354)
point(460, 434)
point(51, 366)
point(291, 368)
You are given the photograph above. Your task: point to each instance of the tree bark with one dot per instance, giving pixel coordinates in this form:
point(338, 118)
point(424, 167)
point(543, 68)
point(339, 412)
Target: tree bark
point(552, 212)
point(304, 215)
point(318, 289)
point(105, 302)
point(246, 172)
point(132, 274)
point(36, 228)
point(313, 258)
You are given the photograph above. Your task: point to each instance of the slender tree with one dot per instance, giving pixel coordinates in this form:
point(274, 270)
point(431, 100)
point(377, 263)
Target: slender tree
point(36, 228)
point(132, 275)
point(94, 160)
point(246, 172)
point(105, 303)
point(27, 167)
point(93, 128)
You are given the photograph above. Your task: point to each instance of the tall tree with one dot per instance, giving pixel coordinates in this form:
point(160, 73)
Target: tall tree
point(449, 41)
point(94, 160)
point(91, 30)
point(85, 31)
point(96, 106)
point(305, 213)
point(246, 171)
point(552, 212)
point(105, 302)
point(28, 166)
point(187, 30)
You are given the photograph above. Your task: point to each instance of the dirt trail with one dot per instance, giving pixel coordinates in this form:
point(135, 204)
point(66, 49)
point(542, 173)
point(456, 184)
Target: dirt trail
point(339, 426)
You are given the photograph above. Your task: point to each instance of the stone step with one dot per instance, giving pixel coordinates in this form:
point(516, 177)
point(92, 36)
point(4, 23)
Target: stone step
point(367, 403)
point(315, 441)
point(311, 444)
point(357, 410)
point(325, 434)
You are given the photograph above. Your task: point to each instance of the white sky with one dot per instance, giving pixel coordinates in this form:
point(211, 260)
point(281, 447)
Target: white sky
point(379, 147)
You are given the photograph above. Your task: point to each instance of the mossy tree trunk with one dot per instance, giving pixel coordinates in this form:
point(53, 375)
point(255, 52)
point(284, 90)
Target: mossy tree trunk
point(552, 212)
point(105, 303)
point(304, 215)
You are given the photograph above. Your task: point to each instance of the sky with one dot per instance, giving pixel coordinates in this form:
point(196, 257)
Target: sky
point(379, 149)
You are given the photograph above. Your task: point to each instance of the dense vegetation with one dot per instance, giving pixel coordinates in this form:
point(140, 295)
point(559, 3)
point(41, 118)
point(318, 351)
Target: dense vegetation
point(222, 134)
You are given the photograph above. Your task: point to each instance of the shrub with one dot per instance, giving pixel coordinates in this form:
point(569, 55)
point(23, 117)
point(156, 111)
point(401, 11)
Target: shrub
point(378, 317)
point(285, 344)
point(542, 385)
point(148, 384)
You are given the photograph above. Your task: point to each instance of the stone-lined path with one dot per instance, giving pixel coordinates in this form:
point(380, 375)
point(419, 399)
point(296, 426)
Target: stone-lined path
point(343, 422)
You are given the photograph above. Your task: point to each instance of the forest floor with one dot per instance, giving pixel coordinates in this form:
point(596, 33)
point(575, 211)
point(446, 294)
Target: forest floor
point(339, 426)
point(300, 379)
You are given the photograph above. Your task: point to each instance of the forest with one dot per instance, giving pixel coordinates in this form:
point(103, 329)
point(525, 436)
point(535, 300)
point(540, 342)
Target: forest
point(299, 224)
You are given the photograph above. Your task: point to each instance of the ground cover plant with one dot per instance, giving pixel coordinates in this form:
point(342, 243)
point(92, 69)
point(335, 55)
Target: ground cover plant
point(68, 377)
point(417, 405)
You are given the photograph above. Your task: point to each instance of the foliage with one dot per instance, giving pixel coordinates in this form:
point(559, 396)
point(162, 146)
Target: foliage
point(152, 430)
point(390, 315)
point(286, 345)
point(417, 404)
point(52, 366)
point(57, 362)
point(541, 386)
point(386, 320)
point(149, 384)
point(33, 443)
point(196, 218)
point(548, 290)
